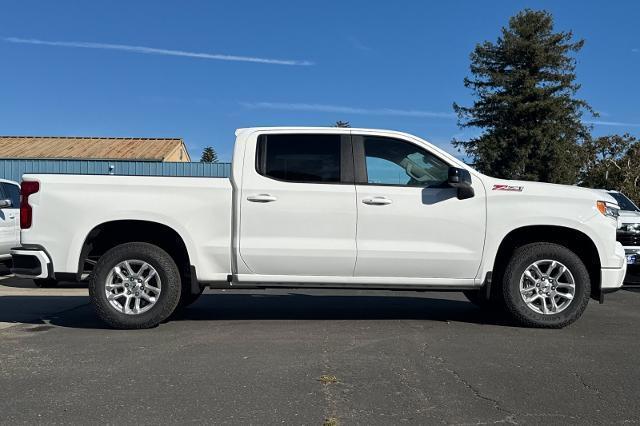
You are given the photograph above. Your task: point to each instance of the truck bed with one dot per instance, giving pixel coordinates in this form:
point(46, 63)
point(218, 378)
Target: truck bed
point(68, 207)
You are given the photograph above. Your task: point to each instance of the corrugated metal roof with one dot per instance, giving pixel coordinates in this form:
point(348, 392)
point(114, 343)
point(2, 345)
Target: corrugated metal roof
point(65, 147)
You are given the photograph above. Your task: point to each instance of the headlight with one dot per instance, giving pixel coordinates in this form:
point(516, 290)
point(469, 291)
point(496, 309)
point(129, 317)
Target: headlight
point(608, 209)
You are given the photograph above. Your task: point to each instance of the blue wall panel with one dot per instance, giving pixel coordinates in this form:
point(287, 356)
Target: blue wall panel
point(14, 169)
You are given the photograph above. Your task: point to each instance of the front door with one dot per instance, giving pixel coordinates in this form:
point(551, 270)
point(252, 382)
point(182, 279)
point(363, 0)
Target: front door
point(410, 222)
point(298, 206)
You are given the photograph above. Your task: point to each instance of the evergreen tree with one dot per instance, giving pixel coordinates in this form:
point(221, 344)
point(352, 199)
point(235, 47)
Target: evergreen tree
point(341, 123)
point(209, 155)
point(524, 85)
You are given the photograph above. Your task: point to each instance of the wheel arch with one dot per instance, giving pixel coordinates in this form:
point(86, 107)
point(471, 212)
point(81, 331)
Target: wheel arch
point(578, 242)
point(112, 233)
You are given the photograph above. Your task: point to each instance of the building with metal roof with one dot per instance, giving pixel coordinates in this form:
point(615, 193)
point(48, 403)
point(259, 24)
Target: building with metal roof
point(93, 148)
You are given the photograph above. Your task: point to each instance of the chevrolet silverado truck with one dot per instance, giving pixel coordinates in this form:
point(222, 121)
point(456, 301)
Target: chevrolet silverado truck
point(322, 208)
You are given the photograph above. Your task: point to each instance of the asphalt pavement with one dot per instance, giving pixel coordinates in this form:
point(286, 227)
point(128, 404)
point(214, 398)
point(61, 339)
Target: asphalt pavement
point(314, 357)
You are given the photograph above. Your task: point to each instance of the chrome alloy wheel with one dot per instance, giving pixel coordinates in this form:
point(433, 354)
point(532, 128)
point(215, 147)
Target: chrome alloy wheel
point(547, 287)
point(133, 287)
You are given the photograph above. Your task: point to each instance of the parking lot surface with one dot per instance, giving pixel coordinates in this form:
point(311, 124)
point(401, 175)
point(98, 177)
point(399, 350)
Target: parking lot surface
point(314, 357)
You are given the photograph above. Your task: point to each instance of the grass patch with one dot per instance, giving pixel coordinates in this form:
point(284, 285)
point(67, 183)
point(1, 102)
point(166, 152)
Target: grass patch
point(326, 379)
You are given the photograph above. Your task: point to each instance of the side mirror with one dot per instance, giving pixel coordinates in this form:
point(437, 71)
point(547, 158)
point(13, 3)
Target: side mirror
point(5, 204)
point(461, 179)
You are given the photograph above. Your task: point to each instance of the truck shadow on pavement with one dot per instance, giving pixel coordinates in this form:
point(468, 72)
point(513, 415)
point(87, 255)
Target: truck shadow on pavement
point(75, 312)
point(303, 306)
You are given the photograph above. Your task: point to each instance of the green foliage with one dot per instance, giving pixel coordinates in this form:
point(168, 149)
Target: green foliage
point(524, 87)
point(613, 162)
point(209, 155)
point(341, 123)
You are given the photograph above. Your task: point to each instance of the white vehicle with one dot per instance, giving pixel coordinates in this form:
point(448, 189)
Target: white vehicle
point(9, 225)
point(628, 232)
point(323, 208)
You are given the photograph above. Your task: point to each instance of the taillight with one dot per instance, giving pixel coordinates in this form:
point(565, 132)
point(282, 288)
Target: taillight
point(27, 188)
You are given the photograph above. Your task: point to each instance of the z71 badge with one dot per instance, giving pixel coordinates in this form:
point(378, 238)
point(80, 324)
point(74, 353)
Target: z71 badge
point(507, 188)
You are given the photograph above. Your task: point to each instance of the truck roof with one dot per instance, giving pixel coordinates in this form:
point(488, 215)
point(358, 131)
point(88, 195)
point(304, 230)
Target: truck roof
point(347, 130)
point(319, 129)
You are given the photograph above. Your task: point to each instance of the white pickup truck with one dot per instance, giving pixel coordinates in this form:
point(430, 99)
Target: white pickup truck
point(323, 208)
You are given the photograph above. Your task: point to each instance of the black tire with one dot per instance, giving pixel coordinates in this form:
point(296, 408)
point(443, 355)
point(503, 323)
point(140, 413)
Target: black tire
point(46, 283)
point(166, 302)
point(520, 261)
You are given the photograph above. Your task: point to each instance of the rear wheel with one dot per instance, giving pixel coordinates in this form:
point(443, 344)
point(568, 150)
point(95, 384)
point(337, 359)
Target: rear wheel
point(135, 285)
point(546, 285)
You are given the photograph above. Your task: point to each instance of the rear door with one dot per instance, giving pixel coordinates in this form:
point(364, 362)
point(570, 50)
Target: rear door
point(410, 222)
point(298, 205)
point(9, 227)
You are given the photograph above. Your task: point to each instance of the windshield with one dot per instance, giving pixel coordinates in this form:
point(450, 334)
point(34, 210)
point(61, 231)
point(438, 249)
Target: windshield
point(624, 202)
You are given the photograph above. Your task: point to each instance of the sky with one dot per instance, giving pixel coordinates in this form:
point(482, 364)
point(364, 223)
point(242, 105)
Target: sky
point(200, 69)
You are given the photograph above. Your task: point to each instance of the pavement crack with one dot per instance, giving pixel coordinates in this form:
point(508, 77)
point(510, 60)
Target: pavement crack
point(506, 420)
point(327, 383)
point(476, 392)
point(586, 385)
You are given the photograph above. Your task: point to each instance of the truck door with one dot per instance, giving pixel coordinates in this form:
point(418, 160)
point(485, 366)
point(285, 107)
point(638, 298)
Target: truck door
point(410, 222)
point(298, 205)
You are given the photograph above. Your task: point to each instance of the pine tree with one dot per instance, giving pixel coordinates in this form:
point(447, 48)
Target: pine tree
point(525, 88)
point(209, 155)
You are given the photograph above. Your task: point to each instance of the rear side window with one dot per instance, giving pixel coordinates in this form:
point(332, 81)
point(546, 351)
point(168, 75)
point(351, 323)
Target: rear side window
point(11, 192)
point(300, 158)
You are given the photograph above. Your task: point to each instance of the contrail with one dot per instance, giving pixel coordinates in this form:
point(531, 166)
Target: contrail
point(156, 51)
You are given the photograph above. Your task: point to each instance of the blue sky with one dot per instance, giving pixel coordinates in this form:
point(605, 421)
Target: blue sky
point(200, 69)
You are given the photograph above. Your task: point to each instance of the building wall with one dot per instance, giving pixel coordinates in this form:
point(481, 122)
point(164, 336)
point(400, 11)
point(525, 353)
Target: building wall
point(14, 169)
point(179, 154)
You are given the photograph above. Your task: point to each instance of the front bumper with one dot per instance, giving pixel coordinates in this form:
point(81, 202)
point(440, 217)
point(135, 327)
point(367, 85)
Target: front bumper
point(611, 279)
point(31, 263)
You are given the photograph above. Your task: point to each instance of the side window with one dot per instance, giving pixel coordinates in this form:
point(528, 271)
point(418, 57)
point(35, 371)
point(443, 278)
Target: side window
point(300, 158)
point(12, 192)
point(396, 162)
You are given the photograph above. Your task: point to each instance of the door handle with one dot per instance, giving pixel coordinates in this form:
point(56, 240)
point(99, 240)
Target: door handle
point(261, 198)
point(377, 201)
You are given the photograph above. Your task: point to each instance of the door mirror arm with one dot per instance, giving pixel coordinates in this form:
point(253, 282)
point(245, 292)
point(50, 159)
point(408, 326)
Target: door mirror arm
point(461, 179)
point(5, 204)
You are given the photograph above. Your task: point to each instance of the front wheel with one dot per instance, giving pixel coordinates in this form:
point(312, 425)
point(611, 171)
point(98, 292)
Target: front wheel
point(135, 285)
point(546, 285)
